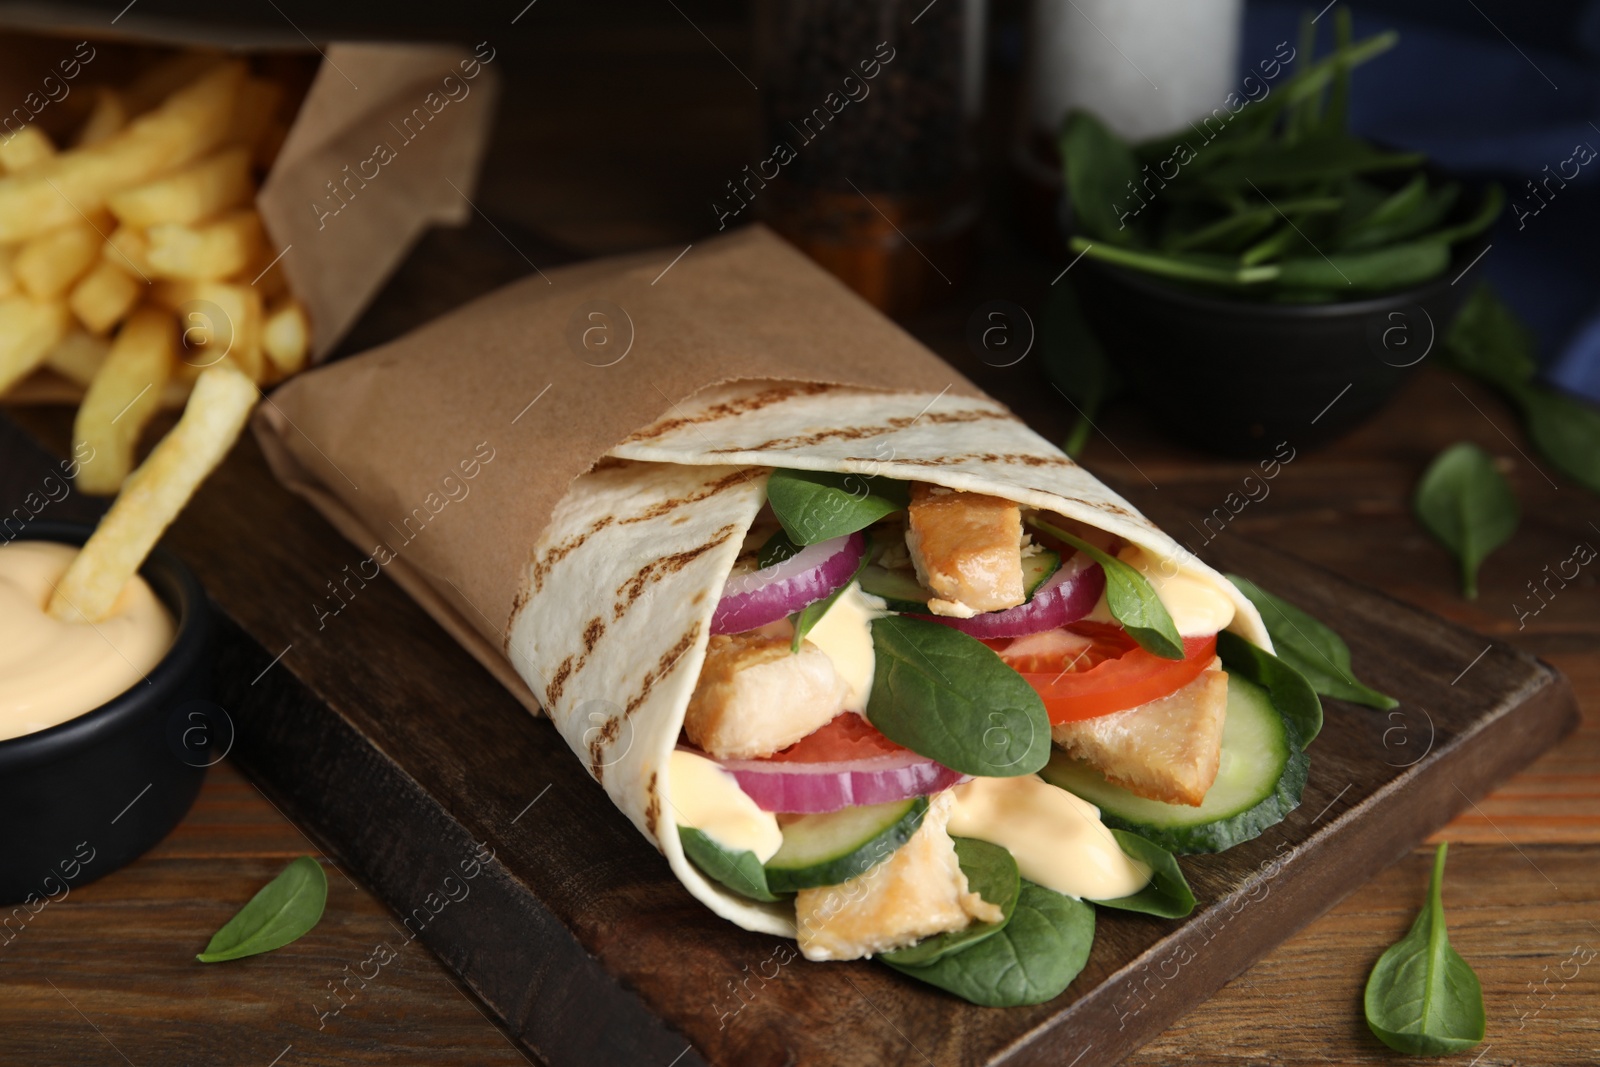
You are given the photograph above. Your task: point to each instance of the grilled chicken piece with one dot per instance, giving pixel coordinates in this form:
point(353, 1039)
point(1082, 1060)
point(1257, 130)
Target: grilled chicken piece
point(1165, 750)
point(916, 893)
point(755, 697)
point(967, 548)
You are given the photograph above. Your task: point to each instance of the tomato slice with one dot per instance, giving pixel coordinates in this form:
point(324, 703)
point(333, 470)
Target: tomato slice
point(1092, 669)
point(847, 736)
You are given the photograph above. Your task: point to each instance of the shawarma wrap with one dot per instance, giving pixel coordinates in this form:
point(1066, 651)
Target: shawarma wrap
point(640, 601)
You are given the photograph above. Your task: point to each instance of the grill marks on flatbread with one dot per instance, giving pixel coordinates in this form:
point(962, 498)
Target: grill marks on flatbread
point(743, 403)
point(960, 442)
point(661, 539)
point(652, 573)
point(862, 433)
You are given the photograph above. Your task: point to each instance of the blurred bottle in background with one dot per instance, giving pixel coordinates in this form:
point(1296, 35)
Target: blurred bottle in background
point(1146, 67)
point(869, 116)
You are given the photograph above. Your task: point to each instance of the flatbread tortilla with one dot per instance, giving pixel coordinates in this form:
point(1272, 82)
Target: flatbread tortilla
point(613, 620)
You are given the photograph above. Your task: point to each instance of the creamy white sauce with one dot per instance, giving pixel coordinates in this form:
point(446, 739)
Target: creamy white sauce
point(844, 633)
point(1197, 607)
point(52, 671)
point(707, 798)
point(1056, 838)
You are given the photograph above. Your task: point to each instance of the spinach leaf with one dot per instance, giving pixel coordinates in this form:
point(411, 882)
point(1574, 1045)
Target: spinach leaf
point(811, 614)
point(1565, 430)
point(1422, 997)
point(1032, 960)
point(1076, 364)
point(817, 506)
point(776, 549)
point(1493, 201)
point(1130, 596)
point(740, 871)
point(1313, 649)
point(1317, 157)
point(1393, 267)
point(1489, 342)
point(992, 874)
point(1219, 236)
point(946, 696)
point(1430, 213)
point(1291, 694)
point(281, 911)
point(1168, 895)
point(1100, 174)
point(1468, 506)
point(1204, 267)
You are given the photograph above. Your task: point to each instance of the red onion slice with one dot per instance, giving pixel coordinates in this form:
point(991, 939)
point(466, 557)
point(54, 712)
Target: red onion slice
point(769, 594)
point(1065, 597)
point(822, 787)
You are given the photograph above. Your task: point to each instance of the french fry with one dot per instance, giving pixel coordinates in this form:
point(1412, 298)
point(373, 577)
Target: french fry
point(130, 249)
point(8, 274)
point(216, 320)
point(25, 149)
point(198, 192)
point(189, 125)
point(77, 356)
point(154, 494)
point(165, 77)
point(286, 338)
point(48, 265)
point(108, 116)
point(29, 329)
point(104, 295)
point(211, 251)
point(122, 398)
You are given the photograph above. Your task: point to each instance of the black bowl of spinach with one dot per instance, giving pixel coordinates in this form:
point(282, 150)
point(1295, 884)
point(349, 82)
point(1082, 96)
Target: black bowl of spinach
point(1267, 275)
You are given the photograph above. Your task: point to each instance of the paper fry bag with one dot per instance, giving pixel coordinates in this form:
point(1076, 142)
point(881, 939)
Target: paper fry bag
point(374, 142)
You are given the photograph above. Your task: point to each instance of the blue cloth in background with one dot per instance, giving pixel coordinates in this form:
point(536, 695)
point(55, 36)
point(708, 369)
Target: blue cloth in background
point(1480, 104)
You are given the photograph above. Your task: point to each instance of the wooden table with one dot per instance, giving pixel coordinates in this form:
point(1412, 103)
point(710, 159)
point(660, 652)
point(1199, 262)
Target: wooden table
point(108, 976)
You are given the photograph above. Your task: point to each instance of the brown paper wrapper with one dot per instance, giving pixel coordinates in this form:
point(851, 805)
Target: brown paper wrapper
point(338, 247)
point(543, 378)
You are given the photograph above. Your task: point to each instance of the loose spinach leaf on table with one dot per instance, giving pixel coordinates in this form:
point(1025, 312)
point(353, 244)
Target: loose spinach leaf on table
point(1312, 648)
point(948, 697)
point(1168, 895)
point(1565, 430)
point(1490, 343)
point(1130, 596)
point(1422, 997)
point(1468, 506)
point(1291, 694)
point(740, 871)
point(281, 911)
point(992, 874)
point(817, 506)
point(1036, 956)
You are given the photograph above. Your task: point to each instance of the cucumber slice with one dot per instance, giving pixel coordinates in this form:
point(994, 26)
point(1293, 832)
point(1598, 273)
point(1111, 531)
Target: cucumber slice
point(899, 589)
point(820, 850)
point(739, 871)
point(1259, 782)
point(1036, 568)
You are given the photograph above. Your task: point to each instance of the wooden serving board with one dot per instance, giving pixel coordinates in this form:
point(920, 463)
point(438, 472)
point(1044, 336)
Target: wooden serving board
point(407, 760)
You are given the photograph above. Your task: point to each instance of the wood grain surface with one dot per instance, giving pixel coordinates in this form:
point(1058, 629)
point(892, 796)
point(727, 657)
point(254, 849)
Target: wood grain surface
point(107, 975)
